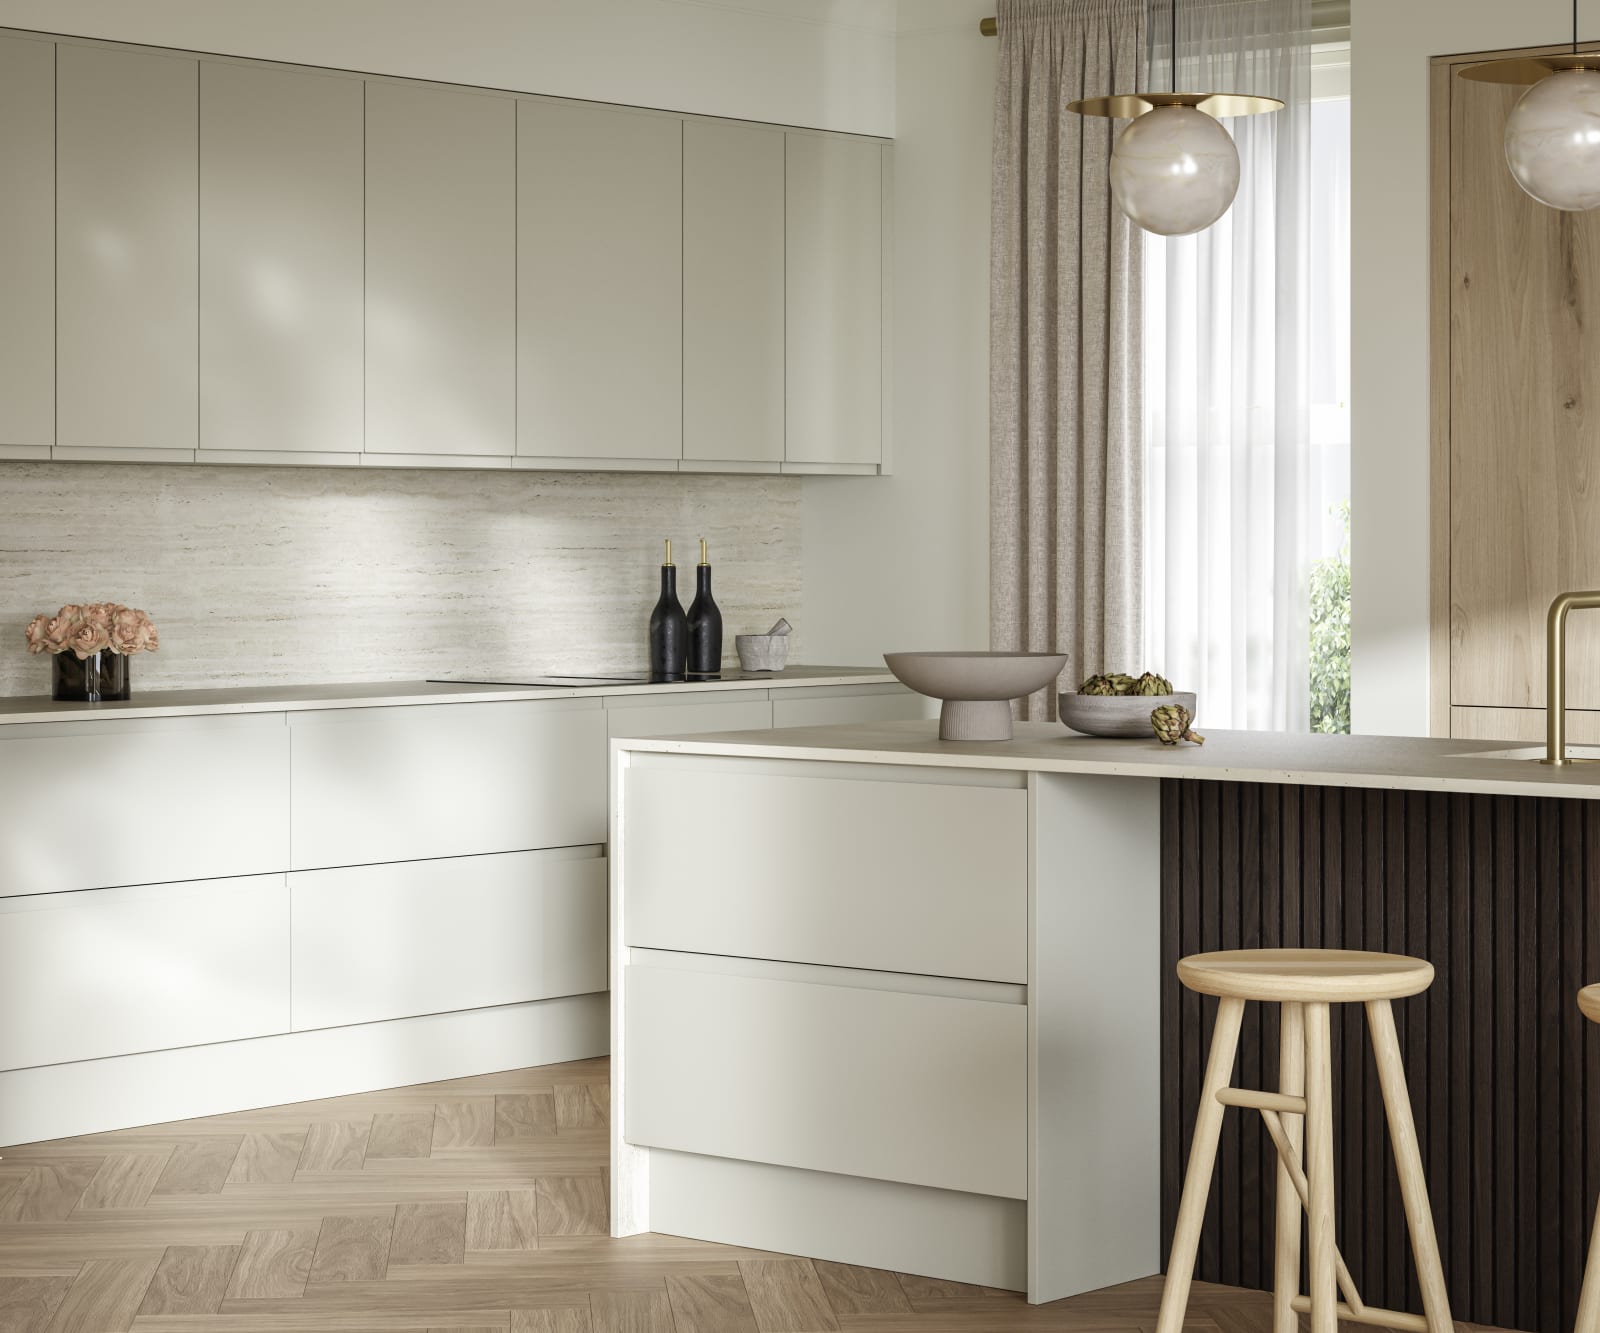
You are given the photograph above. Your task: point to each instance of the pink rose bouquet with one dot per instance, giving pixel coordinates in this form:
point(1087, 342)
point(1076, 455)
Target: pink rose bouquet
point(84, 630)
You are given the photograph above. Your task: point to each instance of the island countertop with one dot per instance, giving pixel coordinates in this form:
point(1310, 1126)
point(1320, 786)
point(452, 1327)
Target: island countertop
point(1399, 763)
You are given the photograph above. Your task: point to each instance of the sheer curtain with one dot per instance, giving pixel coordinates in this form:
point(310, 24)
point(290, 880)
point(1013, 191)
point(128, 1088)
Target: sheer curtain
point(1227, 422)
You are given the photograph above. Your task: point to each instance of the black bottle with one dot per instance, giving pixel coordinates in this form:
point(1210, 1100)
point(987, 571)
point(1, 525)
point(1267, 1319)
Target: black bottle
point(669, 629)
point(705, 625)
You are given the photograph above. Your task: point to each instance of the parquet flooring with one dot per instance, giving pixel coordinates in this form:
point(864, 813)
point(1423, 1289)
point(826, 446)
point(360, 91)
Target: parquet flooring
point(475, 1204)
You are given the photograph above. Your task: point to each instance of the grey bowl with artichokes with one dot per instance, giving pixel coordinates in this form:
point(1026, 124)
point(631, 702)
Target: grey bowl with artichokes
point(1118, 705)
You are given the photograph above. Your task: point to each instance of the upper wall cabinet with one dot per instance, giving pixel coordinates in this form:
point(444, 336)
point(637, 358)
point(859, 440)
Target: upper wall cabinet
point(834, 275)
point(599, 283)
point(441, 272)
point(127, 299)
point(27, 244)
point(280, 260)
point(732, 292)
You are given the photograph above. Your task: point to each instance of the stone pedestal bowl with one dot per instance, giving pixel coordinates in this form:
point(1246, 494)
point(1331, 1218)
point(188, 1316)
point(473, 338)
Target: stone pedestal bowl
point(976, 688)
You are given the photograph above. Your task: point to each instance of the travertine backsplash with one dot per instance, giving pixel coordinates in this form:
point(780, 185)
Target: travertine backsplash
point(261, 576)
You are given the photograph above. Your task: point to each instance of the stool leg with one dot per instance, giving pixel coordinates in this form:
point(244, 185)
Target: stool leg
point(1319, 1170)
point(1197, 1176)
point(1408, 1163)
point(1286, 1269)
point(1589, 1302)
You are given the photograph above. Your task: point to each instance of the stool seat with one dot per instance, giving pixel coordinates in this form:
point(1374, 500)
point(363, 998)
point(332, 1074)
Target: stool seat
point(1315, 976)
point(1589, 1002)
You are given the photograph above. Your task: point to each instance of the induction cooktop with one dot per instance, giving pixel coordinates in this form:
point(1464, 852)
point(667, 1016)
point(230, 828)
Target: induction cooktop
point(588, 682)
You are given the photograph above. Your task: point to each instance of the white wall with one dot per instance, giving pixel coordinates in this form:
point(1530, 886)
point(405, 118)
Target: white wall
point(902, 562)
point(1391, 43)
point(823, 63)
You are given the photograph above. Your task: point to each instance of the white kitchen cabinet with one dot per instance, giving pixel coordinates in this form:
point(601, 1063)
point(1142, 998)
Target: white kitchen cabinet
point(599, 282)
point(280, 260)
point(399, 784)
point(914, 876)
point(809, 707)
point(440, 271)
point(113, 971)
point(643, 715)
point(127, 298)
point(27, 244)
point(733, 224)
point(834, 300)
point(435, 936)
point(918, 1088)
point(98, 803)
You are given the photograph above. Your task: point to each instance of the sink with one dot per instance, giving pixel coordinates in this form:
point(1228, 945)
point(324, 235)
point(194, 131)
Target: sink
point(1584, 754)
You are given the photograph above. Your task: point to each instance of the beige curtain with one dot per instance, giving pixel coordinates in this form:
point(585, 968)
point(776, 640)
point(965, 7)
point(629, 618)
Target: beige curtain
point(1066, 491)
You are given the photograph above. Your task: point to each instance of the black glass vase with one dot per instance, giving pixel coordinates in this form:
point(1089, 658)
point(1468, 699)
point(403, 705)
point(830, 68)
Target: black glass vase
point(97, 678)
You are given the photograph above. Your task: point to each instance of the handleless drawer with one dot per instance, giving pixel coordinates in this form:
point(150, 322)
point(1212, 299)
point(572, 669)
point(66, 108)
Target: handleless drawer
point(460, 933)
point(918, 1088)
point(402, 784)
point(800, 862)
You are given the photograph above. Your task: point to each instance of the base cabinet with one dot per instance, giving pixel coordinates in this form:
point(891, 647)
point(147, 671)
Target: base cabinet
point(115, 971)
point(427, 937)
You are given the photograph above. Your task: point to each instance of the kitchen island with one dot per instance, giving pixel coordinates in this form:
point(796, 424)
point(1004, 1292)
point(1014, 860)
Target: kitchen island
point(908, 1003)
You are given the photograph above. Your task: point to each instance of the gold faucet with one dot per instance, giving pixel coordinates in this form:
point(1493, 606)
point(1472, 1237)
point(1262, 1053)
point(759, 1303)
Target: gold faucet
point(1556, 666)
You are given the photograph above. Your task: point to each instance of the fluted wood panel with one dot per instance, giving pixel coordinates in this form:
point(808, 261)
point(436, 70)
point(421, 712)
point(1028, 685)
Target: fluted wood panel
point(1504, 1072)
point(262, 576)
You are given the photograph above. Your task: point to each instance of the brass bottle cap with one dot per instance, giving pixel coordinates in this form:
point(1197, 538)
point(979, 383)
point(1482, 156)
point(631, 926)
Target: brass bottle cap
point(703, 559)
point(668, 560)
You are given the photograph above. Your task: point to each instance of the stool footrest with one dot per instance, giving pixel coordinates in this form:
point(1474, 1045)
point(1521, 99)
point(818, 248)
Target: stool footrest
point(1281, 1102)
point(1398, 1319)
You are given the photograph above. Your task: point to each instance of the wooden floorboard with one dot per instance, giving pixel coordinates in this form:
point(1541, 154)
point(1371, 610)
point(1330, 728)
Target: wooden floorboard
point(465, 1206)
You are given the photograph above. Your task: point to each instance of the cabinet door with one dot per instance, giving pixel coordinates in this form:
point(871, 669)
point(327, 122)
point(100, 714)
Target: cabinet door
point(401, 784)
point(280, 260)
point(127, 200)
point(834, 300)
point(636, 716)
point(441, 271)
point(599, 283)
point(732, 292)
point(113, 971)
point(460, 933)
point(27, 242)
point(99, 803)
point(835, 707)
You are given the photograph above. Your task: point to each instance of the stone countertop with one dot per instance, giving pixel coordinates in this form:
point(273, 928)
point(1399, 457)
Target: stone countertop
point(297, 698)
point(1398, 762)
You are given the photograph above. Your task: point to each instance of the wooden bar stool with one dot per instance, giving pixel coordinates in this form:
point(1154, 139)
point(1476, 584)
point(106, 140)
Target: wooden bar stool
point(1305, 982)
point(1588, 1320)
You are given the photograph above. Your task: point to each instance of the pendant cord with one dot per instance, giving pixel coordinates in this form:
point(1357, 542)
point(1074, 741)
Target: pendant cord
point(1172, 60)
point(1574, 26)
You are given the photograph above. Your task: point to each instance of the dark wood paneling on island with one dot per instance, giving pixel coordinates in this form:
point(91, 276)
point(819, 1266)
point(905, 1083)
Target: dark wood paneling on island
point(1496, 892)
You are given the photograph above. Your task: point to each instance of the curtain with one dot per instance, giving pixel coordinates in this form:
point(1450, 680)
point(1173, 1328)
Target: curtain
point(1227, 386)
point(1066, 459)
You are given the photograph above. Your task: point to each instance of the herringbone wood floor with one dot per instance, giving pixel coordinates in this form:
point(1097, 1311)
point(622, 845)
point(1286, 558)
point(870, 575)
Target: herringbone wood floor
point(474, 1204)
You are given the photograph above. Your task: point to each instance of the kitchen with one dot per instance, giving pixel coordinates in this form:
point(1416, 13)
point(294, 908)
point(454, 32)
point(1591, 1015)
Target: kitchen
point(373, 350)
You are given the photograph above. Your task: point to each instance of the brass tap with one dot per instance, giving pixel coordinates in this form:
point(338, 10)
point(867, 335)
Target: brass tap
point(1556, 666)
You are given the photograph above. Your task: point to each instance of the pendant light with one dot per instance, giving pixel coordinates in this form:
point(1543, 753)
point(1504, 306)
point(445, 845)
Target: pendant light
point(1174, 169)
point(1553, 132)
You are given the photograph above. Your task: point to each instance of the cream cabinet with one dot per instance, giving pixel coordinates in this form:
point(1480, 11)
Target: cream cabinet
point(127, 243)
point(374, 785)
point(27, 247)
point(834, 300)
point(280, 261)
point(733, 300)
point(440, 272)
point(599, 282)
point(113, 971)
point(460, 933)
point(835, 707)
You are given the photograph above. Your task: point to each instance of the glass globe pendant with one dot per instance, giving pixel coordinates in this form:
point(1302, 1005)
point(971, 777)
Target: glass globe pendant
point(1552, 135)
point(1174, 169)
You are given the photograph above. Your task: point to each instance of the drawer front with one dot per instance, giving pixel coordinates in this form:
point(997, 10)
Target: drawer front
point(402, 784)
point(749, 713)
point(760, 862)
point(167, 798)
point(115, 971)
point(889, 704)
point(426, 937)
point(923, 1089)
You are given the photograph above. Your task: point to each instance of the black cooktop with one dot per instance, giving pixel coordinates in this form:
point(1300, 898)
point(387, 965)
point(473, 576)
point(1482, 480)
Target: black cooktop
point(621, 678)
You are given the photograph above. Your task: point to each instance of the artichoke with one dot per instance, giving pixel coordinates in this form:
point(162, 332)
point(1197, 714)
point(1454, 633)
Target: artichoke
point(1121, 682)
point(1171, 723)
point(1152, 684)
point(1097, 685)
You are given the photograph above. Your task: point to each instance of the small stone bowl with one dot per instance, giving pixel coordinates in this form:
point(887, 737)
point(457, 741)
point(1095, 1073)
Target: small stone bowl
point(762, 652)
point(1119, 716)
